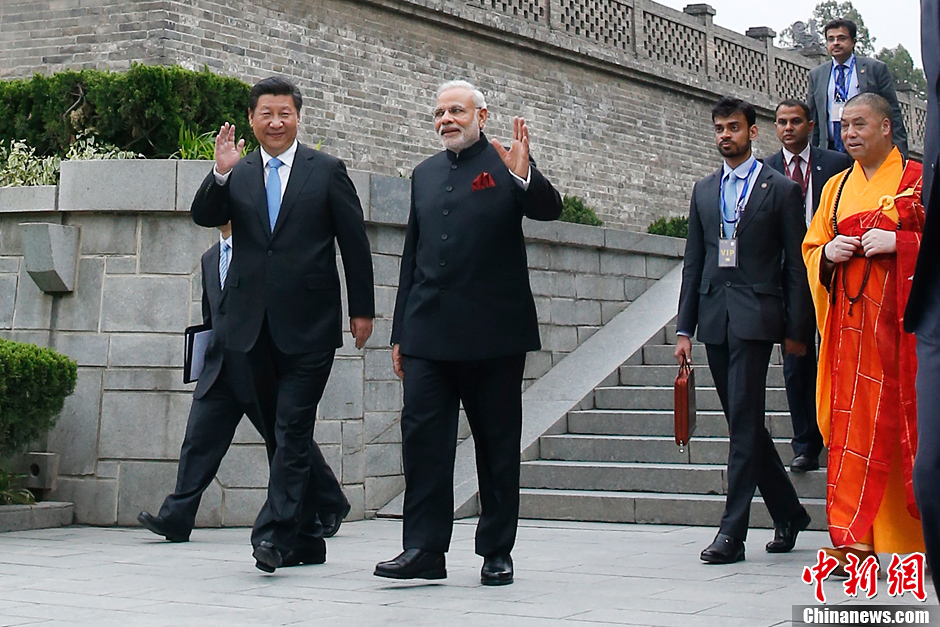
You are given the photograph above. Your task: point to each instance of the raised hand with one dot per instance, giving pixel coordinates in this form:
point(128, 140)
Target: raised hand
point(517, 157)
point(227, 152)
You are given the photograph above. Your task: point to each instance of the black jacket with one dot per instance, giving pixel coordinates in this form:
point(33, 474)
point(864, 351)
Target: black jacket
point(767, 296)
point(290, 275)
point(824, 163)
point(464, 289)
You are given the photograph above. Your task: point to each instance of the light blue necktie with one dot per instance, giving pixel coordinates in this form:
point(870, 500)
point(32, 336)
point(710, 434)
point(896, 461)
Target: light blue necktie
point(274, 191)
point(223, 262)
point(729, 205)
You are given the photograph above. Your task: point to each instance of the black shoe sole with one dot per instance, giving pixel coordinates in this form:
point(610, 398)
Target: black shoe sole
point(435, 573)
point(714, 559)
point(266, 559)
point(146, 524)
point(496, 581)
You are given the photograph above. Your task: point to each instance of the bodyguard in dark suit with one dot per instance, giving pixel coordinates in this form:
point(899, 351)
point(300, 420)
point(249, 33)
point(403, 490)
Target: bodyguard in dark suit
point(288, 204)
point(744, 287)
point(922, 315)
point(835, 82)
point(224, 393)
point(464, 320)
point(810, 168)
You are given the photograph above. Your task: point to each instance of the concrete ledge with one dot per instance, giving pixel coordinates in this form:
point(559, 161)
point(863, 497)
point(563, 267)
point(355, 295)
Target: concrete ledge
point(38, 516)
point(118, 184)
point(32, 199)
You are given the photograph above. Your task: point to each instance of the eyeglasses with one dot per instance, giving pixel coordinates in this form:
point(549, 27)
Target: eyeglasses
point(454, 111)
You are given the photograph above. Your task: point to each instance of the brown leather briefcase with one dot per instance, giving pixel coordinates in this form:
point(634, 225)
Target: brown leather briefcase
point(685, 403)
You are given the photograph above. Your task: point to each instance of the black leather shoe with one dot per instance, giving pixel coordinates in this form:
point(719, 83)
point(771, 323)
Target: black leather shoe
point(332, 520)
point(310, 554)
point(724, 550)
point(413, 564)
point(267, 557)
point(497, 570)
point(785, 533)
point(158, 526)
point(804, 463)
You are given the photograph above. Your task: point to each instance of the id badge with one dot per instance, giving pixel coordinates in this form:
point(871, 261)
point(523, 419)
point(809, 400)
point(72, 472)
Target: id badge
point(728, 252)
point(837, 111)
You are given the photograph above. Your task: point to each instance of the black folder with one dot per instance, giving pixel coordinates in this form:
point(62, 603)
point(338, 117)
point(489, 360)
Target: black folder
point(194, 357)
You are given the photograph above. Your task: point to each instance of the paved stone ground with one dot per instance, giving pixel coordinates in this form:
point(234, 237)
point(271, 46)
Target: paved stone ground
point(569, 574)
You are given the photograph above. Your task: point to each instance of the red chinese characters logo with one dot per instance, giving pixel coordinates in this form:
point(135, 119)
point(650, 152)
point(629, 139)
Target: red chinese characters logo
point(907, 575)
point(825, 564)
point(861, 575)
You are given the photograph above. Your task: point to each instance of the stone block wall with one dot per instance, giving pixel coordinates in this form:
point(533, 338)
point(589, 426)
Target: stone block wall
point(617, 93)
point(139, 286)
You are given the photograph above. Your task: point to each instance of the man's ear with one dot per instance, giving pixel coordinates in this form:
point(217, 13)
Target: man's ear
point(484, 114)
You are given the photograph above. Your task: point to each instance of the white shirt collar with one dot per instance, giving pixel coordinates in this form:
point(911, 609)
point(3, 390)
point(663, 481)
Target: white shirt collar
point(225, 240)
point(741, 171)
point(788, 156)
point(848, 62)
point(286, 157)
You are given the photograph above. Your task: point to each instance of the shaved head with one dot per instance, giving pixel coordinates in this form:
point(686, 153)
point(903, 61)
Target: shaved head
point(878, 105)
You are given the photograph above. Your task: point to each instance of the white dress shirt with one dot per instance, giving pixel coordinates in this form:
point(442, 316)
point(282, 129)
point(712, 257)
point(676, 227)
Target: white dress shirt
point(807, 176)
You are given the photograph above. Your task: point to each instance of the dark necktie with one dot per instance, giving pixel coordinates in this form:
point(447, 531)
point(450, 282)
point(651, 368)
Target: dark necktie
point(840, 90)
point(796, 172)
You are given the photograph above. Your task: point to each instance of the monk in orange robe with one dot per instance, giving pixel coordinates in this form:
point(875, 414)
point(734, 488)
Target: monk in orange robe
point(860, 252)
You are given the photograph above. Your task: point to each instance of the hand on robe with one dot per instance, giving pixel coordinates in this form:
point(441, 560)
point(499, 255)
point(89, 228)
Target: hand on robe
point(841, 248)
point(879, 242)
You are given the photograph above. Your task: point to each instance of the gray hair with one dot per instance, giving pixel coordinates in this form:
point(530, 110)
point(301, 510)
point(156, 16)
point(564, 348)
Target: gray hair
point(478, 100)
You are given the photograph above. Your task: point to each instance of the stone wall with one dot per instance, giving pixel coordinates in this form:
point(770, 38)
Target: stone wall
point(617, 92)
point(138, 287)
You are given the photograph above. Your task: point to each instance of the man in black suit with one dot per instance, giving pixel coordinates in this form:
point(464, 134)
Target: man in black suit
point(922, 315)
point(744, 287)
point(288, 204)
point(464, 320)
point(835, 82)
point(223, 394)
point(810, 168)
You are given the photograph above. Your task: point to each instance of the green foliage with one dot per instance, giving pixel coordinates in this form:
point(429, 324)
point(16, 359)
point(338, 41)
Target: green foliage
point(674, 227)
point(195, 146)
point(574, 210)
point(11, 493)
point(141, 110)
point(20, 165)
point(901, 66)
point(34, 382)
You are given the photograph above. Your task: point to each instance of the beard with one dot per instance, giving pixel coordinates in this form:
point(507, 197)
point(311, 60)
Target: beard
point(469, 135)
point(734, 150)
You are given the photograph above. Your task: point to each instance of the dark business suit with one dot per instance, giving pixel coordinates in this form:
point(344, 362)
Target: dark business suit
point(873, 76)
point(224, 392)
point(465, 318)
point(740, 313)
point(283, 305)
point(922, 315)
point(799, 373)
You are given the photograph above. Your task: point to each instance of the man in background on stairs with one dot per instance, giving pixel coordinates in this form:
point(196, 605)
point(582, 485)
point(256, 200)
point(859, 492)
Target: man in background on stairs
point(810, 168)
point(464, 320)
point(224, 393)
point(744, 288)
point(860, 253)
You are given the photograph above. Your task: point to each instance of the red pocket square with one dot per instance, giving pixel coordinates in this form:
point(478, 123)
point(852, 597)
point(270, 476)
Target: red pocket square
point(483, 181)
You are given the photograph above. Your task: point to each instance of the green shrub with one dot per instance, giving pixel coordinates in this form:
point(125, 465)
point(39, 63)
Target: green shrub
point(574, 210)
point(141, 110)
point(11, 492)
point(674, 227)
point(34, 382)
point(20, 165)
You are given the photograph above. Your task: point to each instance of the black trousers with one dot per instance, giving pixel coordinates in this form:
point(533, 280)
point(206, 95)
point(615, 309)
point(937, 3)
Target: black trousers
point(927, 462)
point(799, 375)
point(739, 368)
point(288, 517)
point(491, 393)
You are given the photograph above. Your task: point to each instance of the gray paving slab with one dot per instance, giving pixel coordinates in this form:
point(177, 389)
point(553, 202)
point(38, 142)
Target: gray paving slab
point(569, 574)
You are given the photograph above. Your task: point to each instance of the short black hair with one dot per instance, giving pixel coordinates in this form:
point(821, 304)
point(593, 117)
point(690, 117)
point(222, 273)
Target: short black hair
point(841, 22)
point(274, 86)
point(729, 105)
point(793, 102)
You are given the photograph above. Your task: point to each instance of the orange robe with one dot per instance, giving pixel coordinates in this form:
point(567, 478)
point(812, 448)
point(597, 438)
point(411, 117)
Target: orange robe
point(865, 386)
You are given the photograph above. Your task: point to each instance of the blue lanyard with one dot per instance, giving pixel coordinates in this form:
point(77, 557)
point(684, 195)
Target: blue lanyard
point(842, 94)
point(739, 205)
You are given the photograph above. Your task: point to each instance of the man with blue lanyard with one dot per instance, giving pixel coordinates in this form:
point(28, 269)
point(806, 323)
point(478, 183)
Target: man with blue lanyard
point(744, 287)
point(834, 83)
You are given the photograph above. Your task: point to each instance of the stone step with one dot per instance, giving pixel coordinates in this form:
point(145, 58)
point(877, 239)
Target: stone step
point(654, 449)
point(649, 508)
point(663, 355)
point(659, 397)
point(666, 375)
point(646, 477)
point(662, 422)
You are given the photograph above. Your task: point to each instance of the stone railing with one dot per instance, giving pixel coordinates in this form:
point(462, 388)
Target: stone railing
point(137, 286)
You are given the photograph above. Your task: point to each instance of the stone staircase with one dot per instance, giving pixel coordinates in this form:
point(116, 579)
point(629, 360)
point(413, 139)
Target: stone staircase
point(618, 461)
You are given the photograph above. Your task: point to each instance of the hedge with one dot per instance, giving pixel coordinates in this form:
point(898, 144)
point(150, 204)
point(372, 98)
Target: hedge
point(141, 110)
point(34, 382)
point(574, 210)
point(674, 227)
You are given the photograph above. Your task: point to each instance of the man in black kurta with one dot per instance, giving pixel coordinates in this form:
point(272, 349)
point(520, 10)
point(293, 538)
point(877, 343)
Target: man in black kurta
point(464, 320)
